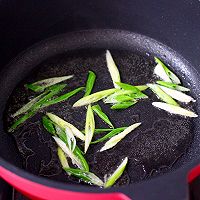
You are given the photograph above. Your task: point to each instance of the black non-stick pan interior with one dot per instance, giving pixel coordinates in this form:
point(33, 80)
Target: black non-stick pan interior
point(162, 144)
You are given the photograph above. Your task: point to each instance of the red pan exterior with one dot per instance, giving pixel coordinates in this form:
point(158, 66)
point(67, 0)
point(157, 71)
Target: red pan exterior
point(194, 173)
point(40, 192)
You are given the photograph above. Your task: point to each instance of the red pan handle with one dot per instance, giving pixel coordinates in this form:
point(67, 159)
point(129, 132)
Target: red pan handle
point(194, 173)
point(40, 192)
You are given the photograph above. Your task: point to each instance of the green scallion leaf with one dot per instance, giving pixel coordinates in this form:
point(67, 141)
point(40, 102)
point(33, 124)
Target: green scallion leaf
point(89, 127)
point(117, 138)
point(109, 135)
point(97, 109)
point(48, 125)
point(63, 124)
point(21, 120)
point(94, 97)
point(166, 73)
point(39, 86)
point(63, 97)
point(174, 109)
point(112, 68)
point(29, 105)
point(123, 105)
point(117, 174)
point(85, 176)
point(61, 134)
point(126, 86)
point(62, 158)
point(173, 86)
point(178, 95)
point(162, 95)
point(68, 152)
point(141, 87)
point(90, 83)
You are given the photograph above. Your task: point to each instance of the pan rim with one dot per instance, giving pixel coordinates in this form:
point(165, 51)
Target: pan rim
point(61, 185)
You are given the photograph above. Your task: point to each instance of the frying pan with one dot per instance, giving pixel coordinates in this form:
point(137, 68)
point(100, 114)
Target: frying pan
point(122, 43)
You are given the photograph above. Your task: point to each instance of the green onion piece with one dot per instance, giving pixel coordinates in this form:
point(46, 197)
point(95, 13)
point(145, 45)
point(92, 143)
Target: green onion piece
point(39, 86)
point(171, 76)
point(112, 68)
point(117, 138)
point(62, 158)
point(63, 97)
point(97, 109)
point(173, 86)
point(89, 127)
point(139, 96)
point(174, 109)
point(21, 120)
point(102, 130)
point(85, 176)
point(53, 90)
point(162, 95)
point(29, 105)
point(178, 95)
point(80, 156)
point(77, 152)
point(136, 93)
point(94, 97)
point(90, 83)
point(48, 125)
point(116, 175)
point(123, 98)
point(71, 141)
point(67, 151)
point(141, 87)
point(109, 135)
point(123, 105)
point(112, 98)
point(126, 86)
point(36, 107)
point(63, 124)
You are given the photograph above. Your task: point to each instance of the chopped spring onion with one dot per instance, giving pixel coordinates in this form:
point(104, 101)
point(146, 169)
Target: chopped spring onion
point(162, 95)
point(85, 176)
point(117, 173)
point(94, 97)
point(141, 87)
point(39, 86)
point(126, 86)
point(117, 138)
point(63, 124)
point(166, 73)
point(173, 86)
point(48, 125)
point(90, 83)
point(63, 97)
point(67, 151)
point(114, 72)
point(97, 109)
point(139, 96)
point(123, 98)
point(112, 98)
point(34, 109)
point(89, 127)
point(174, 109)
point(178, 95)
point(61, 134)
point(21, 120)
point(29, 105)
point(71, 141)
point(62, 158)
point(109, 135)
point(123, 105)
